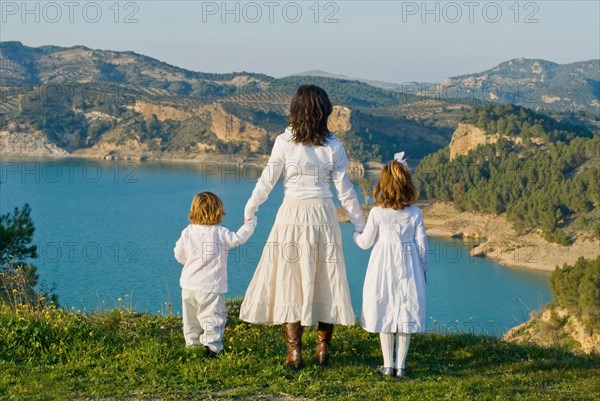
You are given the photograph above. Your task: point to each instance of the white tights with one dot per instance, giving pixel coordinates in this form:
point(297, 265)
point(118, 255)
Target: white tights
point(387, 347)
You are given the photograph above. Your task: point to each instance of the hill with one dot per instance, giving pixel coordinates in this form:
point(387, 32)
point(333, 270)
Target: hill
point(23, 65)
point(572, 319)
point(544, 175)
point(532, 83)
point(372, 82)
point(54, 354)
point(110, 104)
point(100, 103)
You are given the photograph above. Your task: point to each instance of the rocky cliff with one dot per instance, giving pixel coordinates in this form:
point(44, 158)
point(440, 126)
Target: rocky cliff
point(160, 111)
point(27, 142)
point(228, 127)
point(125, 138)
point(555, 326)
point(339, 120)
point(467, 137)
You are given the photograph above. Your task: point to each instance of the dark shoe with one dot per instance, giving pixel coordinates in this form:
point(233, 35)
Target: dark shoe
point(383, 371)
point(324, 333)
point(209, 353)
point(293, 339)
point(401, 374)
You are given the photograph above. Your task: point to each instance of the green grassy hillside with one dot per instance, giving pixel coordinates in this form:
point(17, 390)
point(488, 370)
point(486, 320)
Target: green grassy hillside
point(53, 354)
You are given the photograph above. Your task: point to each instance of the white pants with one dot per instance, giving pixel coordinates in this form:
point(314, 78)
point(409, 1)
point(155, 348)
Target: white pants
point(204, 318)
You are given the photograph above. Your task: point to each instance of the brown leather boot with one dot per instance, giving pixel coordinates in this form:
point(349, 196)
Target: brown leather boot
point(324, 333)
point(293, 338)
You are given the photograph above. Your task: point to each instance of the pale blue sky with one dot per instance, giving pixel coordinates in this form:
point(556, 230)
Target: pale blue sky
point(384, 40)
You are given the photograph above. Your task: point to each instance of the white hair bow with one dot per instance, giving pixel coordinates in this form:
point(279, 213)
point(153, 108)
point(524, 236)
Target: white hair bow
point(399, 157)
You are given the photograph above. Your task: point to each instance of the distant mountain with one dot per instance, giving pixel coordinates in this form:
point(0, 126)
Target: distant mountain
point(533, 83)
point(23, 65)
point(114, 104)
point(372, 82)
point(323, 74)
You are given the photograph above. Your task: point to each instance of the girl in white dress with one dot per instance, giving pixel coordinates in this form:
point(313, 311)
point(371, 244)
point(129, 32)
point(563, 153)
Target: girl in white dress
point(394, 289)
point(301, 279)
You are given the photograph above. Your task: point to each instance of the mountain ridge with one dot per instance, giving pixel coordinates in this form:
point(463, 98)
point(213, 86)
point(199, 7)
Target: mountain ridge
point(76, 96)
point(592, 64)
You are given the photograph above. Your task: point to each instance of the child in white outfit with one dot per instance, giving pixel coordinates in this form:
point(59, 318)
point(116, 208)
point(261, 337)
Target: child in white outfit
point(394, 288)
point(202, 249)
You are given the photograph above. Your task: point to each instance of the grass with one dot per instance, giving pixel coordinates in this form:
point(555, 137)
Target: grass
point(53, 354)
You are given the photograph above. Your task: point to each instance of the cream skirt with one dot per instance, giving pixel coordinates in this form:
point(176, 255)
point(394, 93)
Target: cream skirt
point(301, 275)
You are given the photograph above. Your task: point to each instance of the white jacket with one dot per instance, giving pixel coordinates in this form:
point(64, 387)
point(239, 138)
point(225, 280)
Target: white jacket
point(308, 172)
point(203, 252)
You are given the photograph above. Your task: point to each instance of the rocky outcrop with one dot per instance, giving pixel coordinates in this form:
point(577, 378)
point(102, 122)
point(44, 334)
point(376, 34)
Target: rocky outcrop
point(228, 127)
point(496, 239)
point(467, 137)
point(161, 112)
point(339, 120)
point(34, 143)
point(224, 125)
point(555, 326)
point(119, 144)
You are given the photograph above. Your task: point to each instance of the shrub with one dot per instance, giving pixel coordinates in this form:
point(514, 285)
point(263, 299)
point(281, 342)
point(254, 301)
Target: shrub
point(18, 278)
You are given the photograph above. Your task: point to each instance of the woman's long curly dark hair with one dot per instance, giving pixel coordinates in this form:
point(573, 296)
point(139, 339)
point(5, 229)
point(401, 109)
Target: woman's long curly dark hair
point(309, 112)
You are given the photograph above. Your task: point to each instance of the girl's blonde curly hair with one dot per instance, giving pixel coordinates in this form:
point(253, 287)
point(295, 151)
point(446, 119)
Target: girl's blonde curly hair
point(395, 188)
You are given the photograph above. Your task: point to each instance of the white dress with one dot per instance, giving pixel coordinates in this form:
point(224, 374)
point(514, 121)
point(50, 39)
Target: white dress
point(301, 275)
point(394, 289)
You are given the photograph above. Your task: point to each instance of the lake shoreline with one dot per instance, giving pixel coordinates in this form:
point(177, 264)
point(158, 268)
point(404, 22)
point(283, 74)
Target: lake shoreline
point(254, 161)
point(498, 241)
point(213, 158)
point(95, 221)
point(494, 238)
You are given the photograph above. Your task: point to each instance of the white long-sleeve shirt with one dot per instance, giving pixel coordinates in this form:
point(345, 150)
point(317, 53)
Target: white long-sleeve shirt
point(203, 252)
point(308, 172)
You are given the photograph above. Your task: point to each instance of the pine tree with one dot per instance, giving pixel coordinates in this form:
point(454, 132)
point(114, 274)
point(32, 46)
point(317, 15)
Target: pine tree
point(18, 277)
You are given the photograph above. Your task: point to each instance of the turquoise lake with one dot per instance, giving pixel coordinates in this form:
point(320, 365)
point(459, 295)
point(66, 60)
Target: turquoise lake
point(105, 233)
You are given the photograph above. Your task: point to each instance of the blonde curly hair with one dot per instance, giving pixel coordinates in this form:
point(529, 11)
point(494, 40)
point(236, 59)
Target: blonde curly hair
point(395, 188)
point(206, 209)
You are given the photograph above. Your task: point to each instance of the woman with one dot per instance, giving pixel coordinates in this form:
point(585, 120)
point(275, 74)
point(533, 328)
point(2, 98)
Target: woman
point(301, 276)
